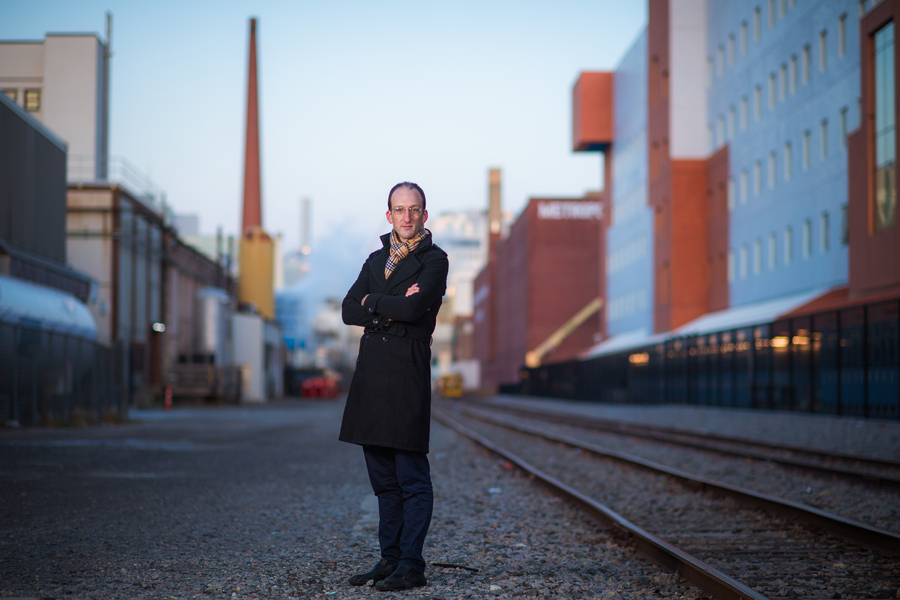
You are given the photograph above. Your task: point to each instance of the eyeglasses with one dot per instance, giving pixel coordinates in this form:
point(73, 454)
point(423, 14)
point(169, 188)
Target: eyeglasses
point(414, 211)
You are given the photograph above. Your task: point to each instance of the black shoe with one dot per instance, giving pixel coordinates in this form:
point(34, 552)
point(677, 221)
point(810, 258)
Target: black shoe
point(378, 572)
point(404, 578)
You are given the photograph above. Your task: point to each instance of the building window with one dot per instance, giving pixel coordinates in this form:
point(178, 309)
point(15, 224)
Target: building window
point(757, 102)
point(720, 130)
point(804, 71)
point(771, 14)
point(806, 240)
point(862, 7)
point(729, 132)
point(744, 111)
point(773, 244)
point(788, 161)
point(709, 71)
point(757, 256)
point(757, 23)
point(772, 161)
point(782, 83)
point(792, 76)
point(771, 91)
point(12, 94)
point(664, 84)
point(823, 135)
point(825, 241)
point(788, 245)
point(805, 150)
point(885, 116)
point(720, 61)
point(845, 226)
point(843, 128)
point(757, 178)
point(743, 38)
point(744, 257)
point(744, 189)
point(823, 46)
point(782, 8)
point(33, 100)
point(730, 266)
point(731, 50)
point(842, 35)
point(730, 194)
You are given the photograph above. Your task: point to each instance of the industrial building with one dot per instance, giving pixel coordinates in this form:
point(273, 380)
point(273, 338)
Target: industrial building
point(539, 298)
point(166, 312)
point(750, 154)
point(751, 240)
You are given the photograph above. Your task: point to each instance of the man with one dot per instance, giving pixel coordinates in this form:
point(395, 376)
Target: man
point(396, 298)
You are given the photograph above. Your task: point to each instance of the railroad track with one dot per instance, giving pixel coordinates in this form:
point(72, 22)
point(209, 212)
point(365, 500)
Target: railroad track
point(728, 549)
point(877, 472)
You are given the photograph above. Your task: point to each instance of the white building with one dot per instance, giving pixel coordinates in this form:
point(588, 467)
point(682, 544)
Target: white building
point(63, 82)
point(463, 235)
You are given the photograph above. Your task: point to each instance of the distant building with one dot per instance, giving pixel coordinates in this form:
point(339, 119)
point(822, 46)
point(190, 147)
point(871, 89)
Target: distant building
point(540, 295)
point(63, 82)
point(731, 171)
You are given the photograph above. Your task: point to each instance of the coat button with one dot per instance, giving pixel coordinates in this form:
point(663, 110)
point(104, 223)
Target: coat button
point(374, 321)
point(384, 339)
point(370, 309)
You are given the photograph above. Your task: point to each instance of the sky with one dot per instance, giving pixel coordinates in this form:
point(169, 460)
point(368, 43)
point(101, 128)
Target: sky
point(354, 97)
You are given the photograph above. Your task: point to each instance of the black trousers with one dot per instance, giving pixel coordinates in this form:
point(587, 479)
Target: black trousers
point(402, 482)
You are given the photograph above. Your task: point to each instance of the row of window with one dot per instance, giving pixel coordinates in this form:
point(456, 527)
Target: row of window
point(627, 254)
point(628, 304)
point(32, 98)
point(787, 256)
point(787, 168)
point(725, 53)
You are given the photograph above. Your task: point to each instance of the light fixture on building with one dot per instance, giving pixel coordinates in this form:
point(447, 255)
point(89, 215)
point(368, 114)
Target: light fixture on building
point(159, 327)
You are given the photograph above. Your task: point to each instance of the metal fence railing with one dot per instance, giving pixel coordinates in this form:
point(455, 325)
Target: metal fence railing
point(50, 377)
point(839, 362)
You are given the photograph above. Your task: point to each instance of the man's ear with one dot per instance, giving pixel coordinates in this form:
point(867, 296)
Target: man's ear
point(389, 219)
point(424, 216)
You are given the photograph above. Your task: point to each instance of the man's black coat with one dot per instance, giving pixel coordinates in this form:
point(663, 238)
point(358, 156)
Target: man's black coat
point(389, 403)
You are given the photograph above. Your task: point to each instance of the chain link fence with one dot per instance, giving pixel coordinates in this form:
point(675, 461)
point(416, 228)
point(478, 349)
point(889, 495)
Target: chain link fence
point(50, 377)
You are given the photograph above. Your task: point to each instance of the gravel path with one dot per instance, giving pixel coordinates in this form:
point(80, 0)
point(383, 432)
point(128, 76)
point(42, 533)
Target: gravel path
point(771, 555)
point(265, 503)
point(854, 500)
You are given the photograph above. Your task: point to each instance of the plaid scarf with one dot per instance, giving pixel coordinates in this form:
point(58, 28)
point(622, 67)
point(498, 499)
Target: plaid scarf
point(400, 250)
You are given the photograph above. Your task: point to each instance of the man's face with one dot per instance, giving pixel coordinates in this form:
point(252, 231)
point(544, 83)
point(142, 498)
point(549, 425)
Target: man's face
point(406, 222)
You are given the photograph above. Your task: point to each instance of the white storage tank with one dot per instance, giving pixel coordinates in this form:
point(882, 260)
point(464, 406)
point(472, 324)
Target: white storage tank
point(212, 327)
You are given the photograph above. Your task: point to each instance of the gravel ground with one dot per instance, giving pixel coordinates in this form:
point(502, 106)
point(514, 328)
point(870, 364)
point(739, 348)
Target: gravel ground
point(771, 555)
point(854, 500)
point(265, 503)
point(847, 435)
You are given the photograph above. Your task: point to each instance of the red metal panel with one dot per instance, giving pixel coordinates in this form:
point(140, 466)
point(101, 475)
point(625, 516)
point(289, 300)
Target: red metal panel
point(592, 111)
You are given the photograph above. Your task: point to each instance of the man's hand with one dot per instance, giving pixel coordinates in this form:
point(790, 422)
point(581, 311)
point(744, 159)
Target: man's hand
point(413, 289)
point(363, 301)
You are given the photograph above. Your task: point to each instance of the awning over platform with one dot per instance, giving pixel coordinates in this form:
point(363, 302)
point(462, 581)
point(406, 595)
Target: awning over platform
point(747, 315)
point(736, 317)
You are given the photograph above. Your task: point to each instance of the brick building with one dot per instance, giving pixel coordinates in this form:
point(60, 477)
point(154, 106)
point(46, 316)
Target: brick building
point(544, 273)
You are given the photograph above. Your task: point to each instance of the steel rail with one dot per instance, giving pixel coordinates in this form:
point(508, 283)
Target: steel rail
point(676, 436)
point(691, 568)
point(855, 531)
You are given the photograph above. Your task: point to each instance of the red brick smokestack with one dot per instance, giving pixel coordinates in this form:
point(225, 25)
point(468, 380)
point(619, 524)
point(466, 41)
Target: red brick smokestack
point(252, 216)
